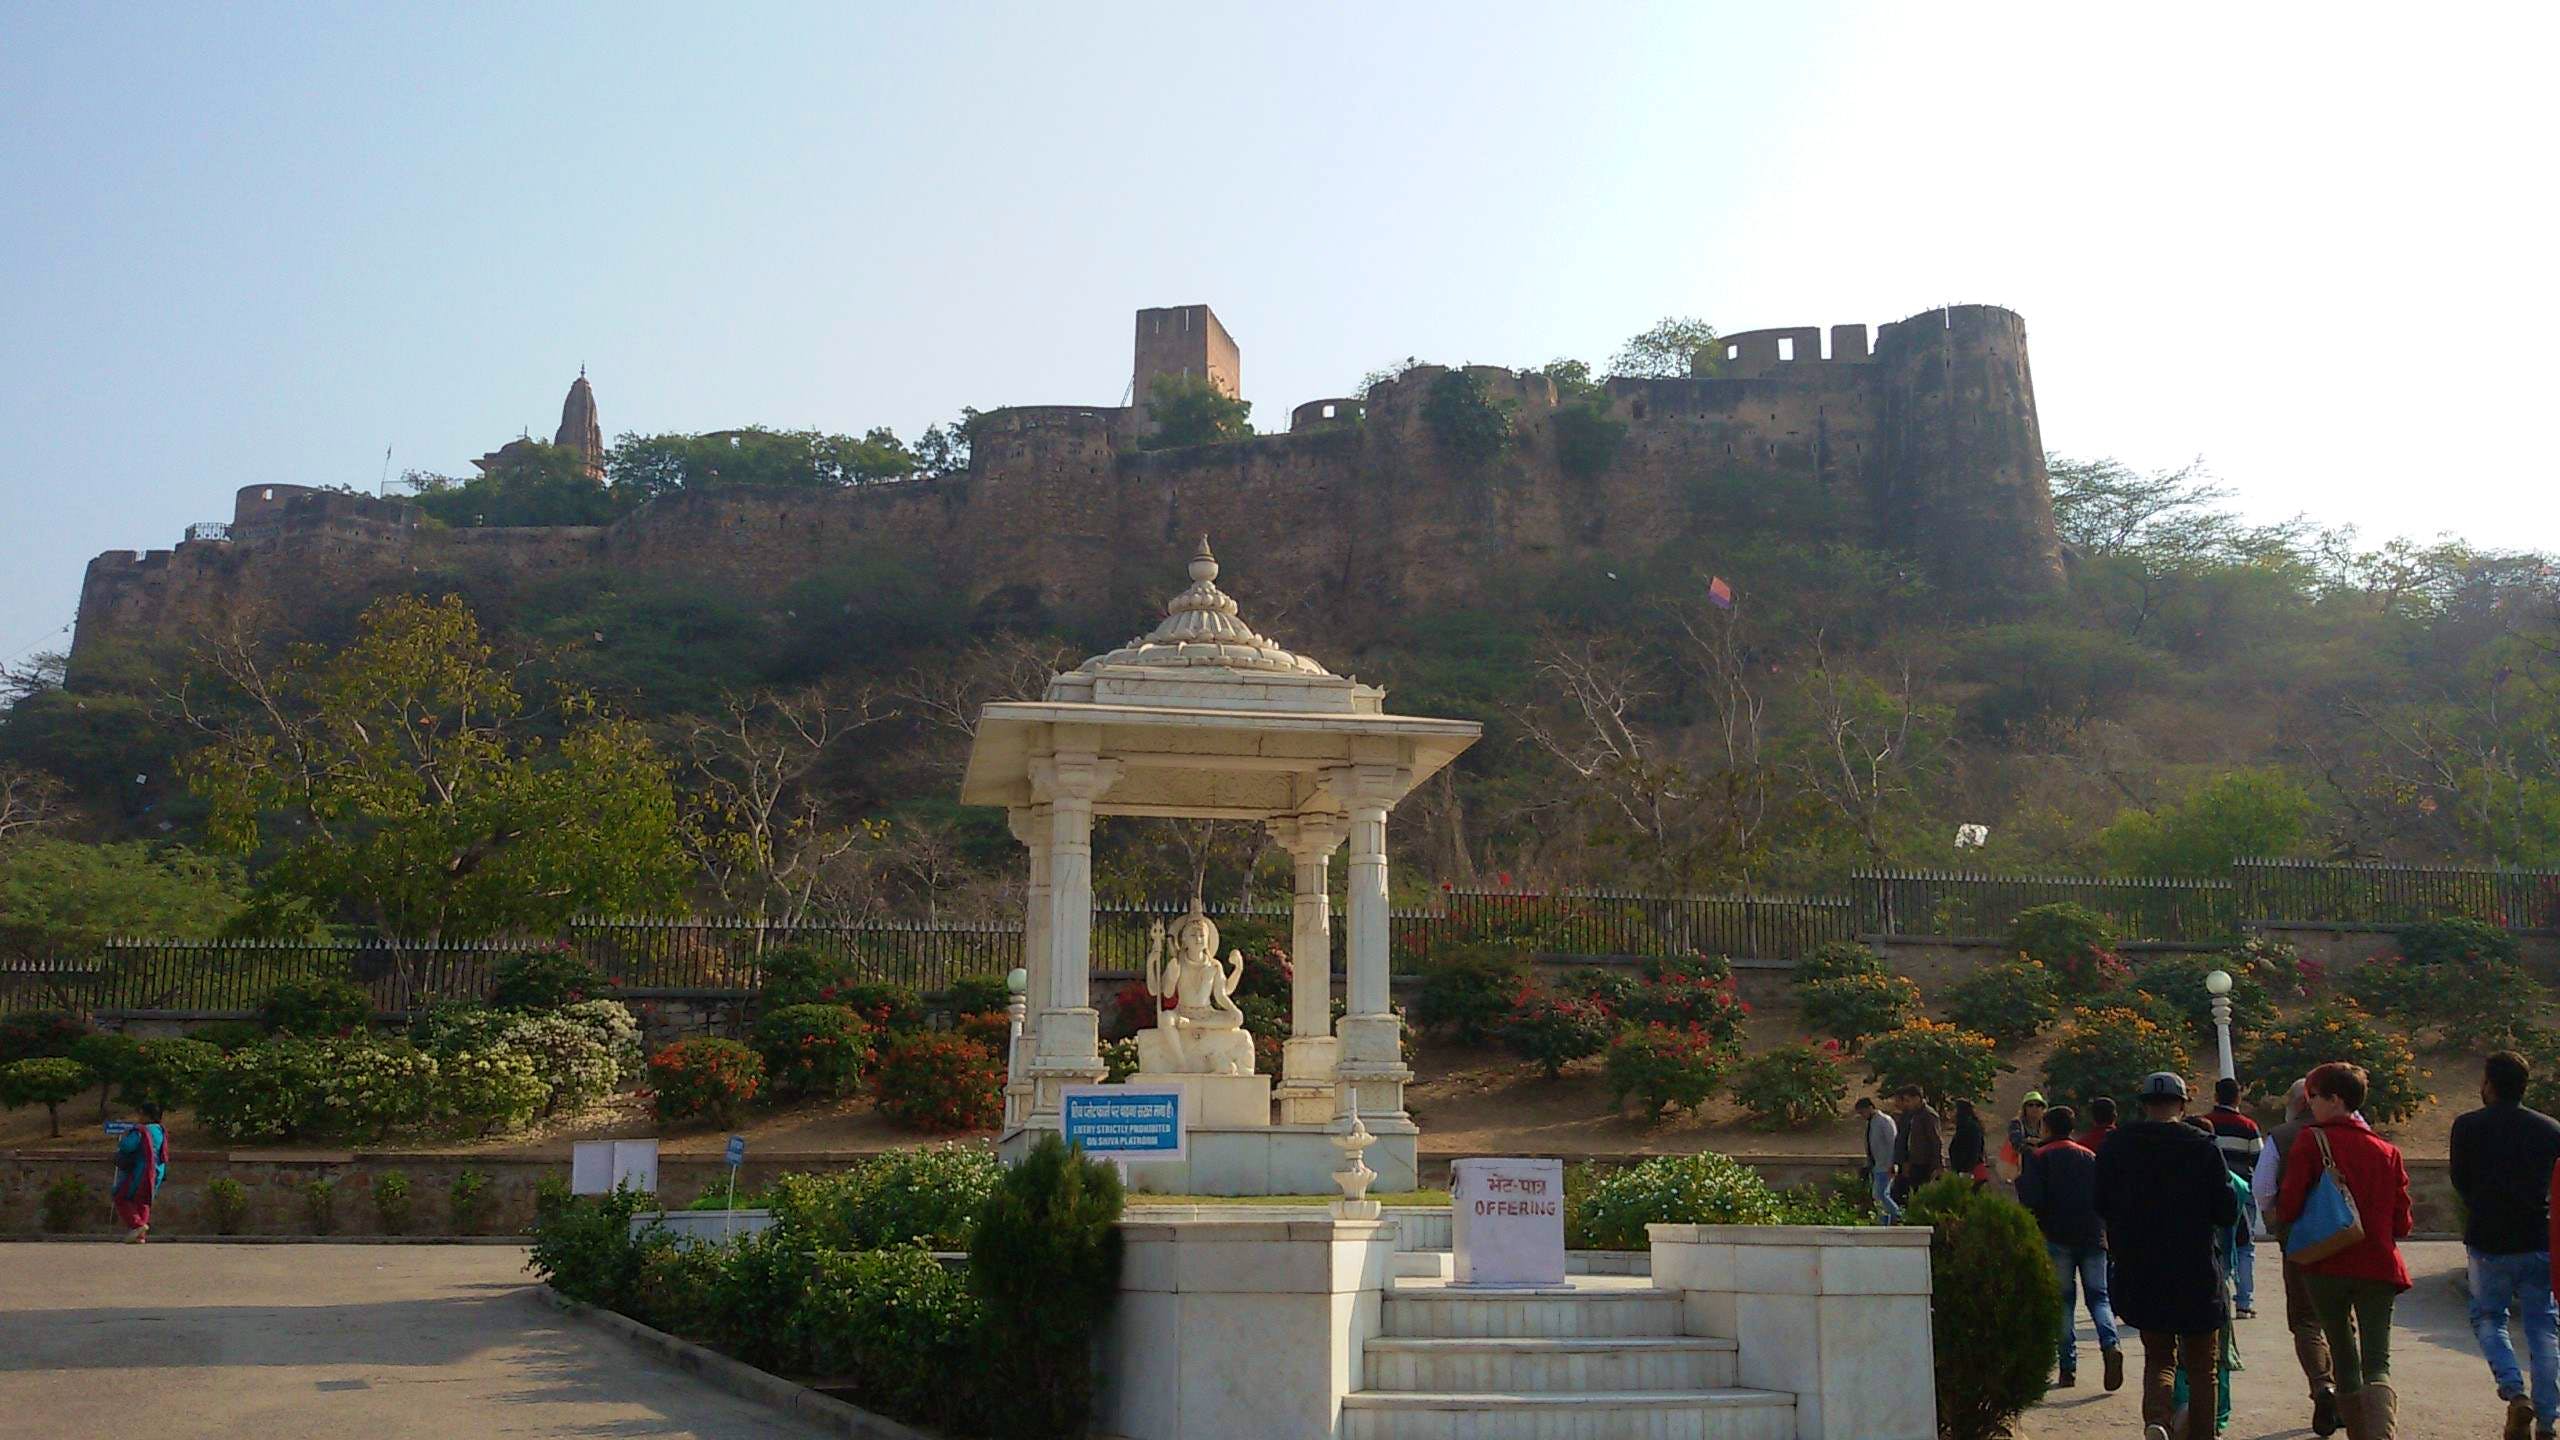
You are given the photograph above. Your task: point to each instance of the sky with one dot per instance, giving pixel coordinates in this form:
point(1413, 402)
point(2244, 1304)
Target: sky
point(250, 244)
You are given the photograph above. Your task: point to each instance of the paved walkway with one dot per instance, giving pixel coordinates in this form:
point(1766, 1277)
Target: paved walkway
point(322, 1342)
point(2444, 1386)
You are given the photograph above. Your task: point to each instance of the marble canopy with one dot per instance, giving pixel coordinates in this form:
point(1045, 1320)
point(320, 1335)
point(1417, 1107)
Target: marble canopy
point(1204, 718)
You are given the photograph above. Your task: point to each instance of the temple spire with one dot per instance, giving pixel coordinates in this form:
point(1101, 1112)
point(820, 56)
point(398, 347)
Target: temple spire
point(579, 429)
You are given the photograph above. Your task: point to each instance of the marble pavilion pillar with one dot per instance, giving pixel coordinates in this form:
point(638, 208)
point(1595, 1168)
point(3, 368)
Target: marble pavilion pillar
point(1371, 1056)
point(1030, 826)
point(1069, 1048)
point(1306, 1089)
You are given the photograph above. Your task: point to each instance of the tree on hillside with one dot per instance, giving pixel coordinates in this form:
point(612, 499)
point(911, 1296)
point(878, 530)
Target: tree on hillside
point(30, 800)
point(404, 782)
point(647, 466)
point(1676, 347)
point(2244, 815)
point(535, 484)
point(60, 897)
point(1192, 410)
point(760, 831)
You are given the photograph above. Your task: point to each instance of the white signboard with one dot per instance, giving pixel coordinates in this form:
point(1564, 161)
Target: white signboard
point(1507, 1222)
point(600, 1167)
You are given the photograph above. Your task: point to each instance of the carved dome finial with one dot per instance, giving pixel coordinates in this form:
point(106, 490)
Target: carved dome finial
point(1204, 566)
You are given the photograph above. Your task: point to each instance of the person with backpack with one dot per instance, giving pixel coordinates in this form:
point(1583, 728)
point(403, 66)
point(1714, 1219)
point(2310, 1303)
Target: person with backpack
point(2059, 1186)
point(2503, 1156)
point(2310, 1343)
point(142, 1162)
point(2345, 1205)
point(2164, 1193)
point(2237, 1137)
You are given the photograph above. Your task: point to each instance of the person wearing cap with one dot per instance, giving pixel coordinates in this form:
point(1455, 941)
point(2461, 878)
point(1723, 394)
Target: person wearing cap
point(2310, 1342)
point(2237, 1137)
point(2059, 1186)
point(2164, 1194)
point(2026, 1136)
point(2354, 1290)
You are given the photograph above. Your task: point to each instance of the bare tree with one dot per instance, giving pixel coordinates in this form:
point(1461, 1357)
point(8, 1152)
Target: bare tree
point(1863, 759)
point(760, 833)
point(30, 800)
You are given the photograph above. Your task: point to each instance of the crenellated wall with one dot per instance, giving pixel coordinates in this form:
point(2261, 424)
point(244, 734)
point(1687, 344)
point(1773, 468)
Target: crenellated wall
point(1928, 442)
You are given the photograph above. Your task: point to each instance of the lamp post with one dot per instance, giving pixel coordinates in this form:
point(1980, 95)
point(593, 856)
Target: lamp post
point(2218, 985)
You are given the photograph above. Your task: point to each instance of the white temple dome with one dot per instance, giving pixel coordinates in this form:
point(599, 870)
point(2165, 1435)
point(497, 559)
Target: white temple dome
point(1203, 657)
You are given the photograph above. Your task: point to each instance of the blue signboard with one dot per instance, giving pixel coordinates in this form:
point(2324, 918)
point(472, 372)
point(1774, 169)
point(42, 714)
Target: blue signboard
point(737, 1151)
point(1124, 1122)
point(120, 1127)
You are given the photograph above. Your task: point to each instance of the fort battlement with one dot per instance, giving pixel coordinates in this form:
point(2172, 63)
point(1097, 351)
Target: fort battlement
point(1924, 440)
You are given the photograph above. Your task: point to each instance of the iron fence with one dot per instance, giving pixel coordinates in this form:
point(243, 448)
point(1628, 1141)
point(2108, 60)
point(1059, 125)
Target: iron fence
point(1932, 902)
point(2317, 892)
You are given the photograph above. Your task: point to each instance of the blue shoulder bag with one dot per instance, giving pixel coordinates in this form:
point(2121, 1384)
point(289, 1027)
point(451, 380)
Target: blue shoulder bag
point(2328, 1224)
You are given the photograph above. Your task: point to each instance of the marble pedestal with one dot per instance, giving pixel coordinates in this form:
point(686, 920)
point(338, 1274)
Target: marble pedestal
point(1217, 1102)
point(1254, 1160)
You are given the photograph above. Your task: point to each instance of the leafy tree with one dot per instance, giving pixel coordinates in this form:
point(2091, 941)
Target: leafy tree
point(2242, 815)
point(60, 896)
point(647, 466)
point(1192, 410)
point(1677, 346)
point(944, 449)
point(404, 781)
point(1468, 424)
point(533, 483)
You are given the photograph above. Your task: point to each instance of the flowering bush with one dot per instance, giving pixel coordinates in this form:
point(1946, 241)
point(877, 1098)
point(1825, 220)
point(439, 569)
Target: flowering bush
point(1792, 1086)
point(315, 1007)
point(1703, 996)
point(1854, 1007)
point(1610, 987)
point(2278, 965)
point(2287, 1049)
point(451, 1026)
point(370, 1089)
point(546, 979)
point(575, 1068)
point(40, 1035)
point(1663, 1067)
point(884, 1006)
point(704, 1079)
point(2072, 941)
point(797, 975)
point(2457, 940)
point(2011, 1002)
point(2107, 1051)
point(614, 1027)
point(1947, 1062)
point(1695, 964)
point(272, 1090)
point(813, 1051)
point(1468, 992)
point(1119, 1059)
point(166, 1071)
point(2178, 982)
point(1705, 1189)
point(47, 1082)
point(938, 1083)
point(1555, 1029)
point(485, 1091)
point(1833, 959)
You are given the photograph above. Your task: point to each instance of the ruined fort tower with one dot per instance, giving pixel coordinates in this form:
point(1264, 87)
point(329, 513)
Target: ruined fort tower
point(1924, 441)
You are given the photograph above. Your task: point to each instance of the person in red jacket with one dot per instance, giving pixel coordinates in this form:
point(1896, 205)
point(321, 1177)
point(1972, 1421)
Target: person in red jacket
point(2353, 1290)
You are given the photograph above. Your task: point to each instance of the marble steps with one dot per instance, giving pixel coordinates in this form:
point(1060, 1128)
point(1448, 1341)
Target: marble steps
point(1594, 1415)
point(1423, 1312)
point(1548, 1366)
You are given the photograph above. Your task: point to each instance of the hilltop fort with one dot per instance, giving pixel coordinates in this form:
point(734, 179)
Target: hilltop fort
point(1921, 439)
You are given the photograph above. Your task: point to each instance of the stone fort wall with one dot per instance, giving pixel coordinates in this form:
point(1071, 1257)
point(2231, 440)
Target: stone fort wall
point(1927, 441)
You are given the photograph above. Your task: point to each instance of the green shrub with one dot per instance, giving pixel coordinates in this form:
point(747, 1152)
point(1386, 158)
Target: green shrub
point(1467, 424)
point(2278, 965)
point(1467, 994)
point(925, 1196)
point(169, 1071)
point(2471, 1003)
point(1663, 1068)
point(989, 995)
point(468, 1200)
point(582, 1244)
point(1792, 1086)
point(704, 1079)
point(392, 1204)
point(798, 975)
point(46, 1082)
point(486, 1091)
point(886, 1006)
point(1947, 1062)
point(2287, 1049)
point(450, 1027)
point(40, 1035)
point(813, 1051)
point(1587, 439)
point(1685, 964)
point(1119, 1059)
point(897, 1324)
point(1843, 1199)
point(69, 1204)
point(2541, 1050)
point(940, 1083)
point(1706, 1189)
point(2074, 942)
point(315, 1007)
point(1610, 987)
point(1855, 1007)
point(1833, 959)
point(1555, 1029)
point(2458, 940)
point(671, 1288)
point(1992, 1336)
point(273, 1090)
point(542, 980)
point(110, 1058)
point(763, 1279)
point(370, 1090)
point(614, 1027)
point(575, 1068)
point(229, 1035)
point(1700, 994)
point(320, 1204)
point(1044, 1264)
point(2177, 981)
point(2107, 1052)
point(226, 1205)
point(2012, 1002)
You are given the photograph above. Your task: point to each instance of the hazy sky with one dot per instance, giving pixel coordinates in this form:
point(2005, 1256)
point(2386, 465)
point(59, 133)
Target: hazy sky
point(247, 244)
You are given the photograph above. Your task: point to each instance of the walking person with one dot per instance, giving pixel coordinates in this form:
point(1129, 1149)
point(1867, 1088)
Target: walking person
point(2237, 1137)
point(2163, 1192)
point(1919, 1148)
point(142, 1162)
point(2310, 1342)
point(2026, 1136)
point(2227, 1245)
point(1882, 1135)
point(2353, 1291)
point(2058, 1183)
point(1968, 1148)
point(2503, 1155)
